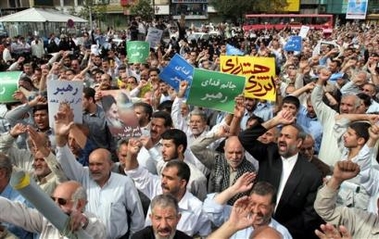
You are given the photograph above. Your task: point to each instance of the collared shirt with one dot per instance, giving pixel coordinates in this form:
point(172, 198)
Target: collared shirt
point(351, 193)
point(197, 183)
point(361, 223)
point(287, 166)
point(262, 110)
point(220, 213)
point(98, 127)
point(33, 221)
point(113, 203)
point(149, 158)
point(24, 159)
point(193, 220)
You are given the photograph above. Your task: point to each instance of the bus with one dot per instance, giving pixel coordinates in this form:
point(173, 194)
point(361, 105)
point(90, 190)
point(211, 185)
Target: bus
point(295, 21)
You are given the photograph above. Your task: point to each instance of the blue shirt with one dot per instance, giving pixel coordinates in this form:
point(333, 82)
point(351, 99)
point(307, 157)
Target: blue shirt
point(14, 196)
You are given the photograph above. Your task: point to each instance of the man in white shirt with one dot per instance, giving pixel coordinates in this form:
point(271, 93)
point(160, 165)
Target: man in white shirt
point(112, 197)
point(71, 198)
point(174, 180)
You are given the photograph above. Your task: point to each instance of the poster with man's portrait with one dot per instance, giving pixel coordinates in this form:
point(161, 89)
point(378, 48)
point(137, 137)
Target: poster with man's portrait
point(119, 113)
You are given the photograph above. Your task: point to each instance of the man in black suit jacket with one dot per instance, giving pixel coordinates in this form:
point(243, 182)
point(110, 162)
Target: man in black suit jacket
point(164, 217)
point(296, 179)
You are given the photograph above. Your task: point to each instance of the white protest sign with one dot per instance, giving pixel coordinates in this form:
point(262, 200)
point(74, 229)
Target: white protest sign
point(154, 36)
point(304, 31)
point(69, 92)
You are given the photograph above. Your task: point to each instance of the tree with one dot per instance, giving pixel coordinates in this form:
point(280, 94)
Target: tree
point(144, 9)
point(237, 8)
point(98, 11)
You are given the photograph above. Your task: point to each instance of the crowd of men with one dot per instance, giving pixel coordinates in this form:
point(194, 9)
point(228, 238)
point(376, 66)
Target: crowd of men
point(283, 169)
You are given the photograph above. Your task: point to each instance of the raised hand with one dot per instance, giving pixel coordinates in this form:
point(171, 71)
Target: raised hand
point(331, 232)
point(182, 88)
point(222, 131)
point(37, 100)
point(134, 146)
point(38, 141)
point(324, 75)
point(345, 170)
point(374, 131)
point(239, 107)
point(77, 220)
point(17, 130)
point(245, 182)
point(19, 95)
point(62, 124)
point(146, 141)
point(240, 216)
point(285, 117)
point(34, 136)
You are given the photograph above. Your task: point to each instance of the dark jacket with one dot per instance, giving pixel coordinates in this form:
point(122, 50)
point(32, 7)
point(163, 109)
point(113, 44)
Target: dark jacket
point(295, 209)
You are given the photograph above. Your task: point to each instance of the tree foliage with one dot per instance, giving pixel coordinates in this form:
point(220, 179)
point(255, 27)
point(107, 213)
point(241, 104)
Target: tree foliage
point(237, 8)
point(98, 11)
point(143, 8)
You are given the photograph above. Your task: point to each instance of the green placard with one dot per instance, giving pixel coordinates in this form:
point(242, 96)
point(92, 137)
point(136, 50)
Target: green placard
point(137, 51)
point(8, 85)
point(215, 90)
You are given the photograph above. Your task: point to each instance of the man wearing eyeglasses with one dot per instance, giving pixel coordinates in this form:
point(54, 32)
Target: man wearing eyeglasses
point(71, 197)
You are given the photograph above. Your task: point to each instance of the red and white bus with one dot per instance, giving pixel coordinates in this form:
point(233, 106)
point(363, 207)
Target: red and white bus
point(280, 21)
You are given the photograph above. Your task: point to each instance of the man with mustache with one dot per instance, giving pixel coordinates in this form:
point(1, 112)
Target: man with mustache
point(148, 155)
point(261, 205)
point(295, 179)
point(174, 180)
point(71, 198)
point(112, 197)
point(164, 217)
point(39, 160)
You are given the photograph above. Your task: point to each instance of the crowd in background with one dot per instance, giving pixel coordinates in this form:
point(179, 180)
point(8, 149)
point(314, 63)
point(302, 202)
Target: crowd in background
point(288, 166)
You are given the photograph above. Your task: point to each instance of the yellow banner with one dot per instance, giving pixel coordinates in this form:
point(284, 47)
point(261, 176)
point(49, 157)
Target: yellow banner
point(259, 73)
point(293, 6)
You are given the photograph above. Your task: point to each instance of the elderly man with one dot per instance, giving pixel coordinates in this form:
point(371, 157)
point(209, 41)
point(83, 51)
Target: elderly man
point(40, 161)
point(71, 198)
point(113, 197)
point(197, 125)
point(225, 167)
point(165, 216)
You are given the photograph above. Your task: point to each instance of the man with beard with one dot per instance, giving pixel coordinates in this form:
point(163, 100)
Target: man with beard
point(174, 144)
point(174, 180)
point(164, 217)
point(149, 153)
point(261, 205)
point(197, 125)
point(40, 119)
point(143, 111)
point(295, 179)
point(328, 118)
point(37, 160)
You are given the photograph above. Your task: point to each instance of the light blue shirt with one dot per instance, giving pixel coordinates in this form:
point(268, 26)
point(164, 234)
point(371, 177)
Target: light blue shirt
point(220, 213)
point(14, 196)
